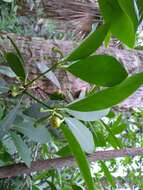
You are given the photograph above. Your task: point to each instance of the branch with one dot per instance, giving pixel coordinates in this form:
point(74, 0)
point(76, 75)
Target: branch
point(19, 169)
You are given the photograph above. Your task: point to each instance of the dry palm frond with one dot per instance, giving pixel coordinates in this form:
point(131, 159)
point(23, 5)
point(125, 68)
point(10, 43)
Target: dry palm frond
point(80, 14)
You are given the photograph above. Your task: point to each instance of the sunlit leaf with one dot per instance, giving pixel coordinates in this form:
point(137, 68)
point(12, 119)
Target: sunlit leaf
point(79, 156)
point(88, 116)
point(81, 133)
point(50, 75)
point(7, 71)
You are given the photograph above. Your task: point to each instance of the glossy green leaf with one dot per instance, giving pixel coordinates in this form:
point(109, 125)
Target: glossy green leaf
point(110, 96)
point(81, 133)
point(102, 70)
point(107, 174)
point(79, 156)
point(90, 44)
point(15, 64)
point(121, 25)
point(129, 8)
point(22, 149)
point(88, 116)
point(7, 122)
point(36, 134)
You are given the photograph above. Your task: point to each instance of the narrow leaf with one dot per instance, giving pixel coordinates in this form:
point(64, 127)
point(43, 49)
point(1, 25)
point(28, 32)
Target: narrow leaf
point(102, 70)
point(50, 75)
point(75, 187)
point(82, 134)
point(109, 96)
point(140, 9)
point(22, 149)
point(90, 44)
point(108, 174)
point(79, 156)
point(16, 48)
point(88, 116)
point(65, 151)
point(15, 64)
point(7, 71)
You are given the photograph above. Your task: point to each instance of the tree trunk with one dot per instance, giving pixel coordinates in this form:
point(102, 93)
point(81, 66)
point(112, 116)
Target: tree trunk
point(35, 49)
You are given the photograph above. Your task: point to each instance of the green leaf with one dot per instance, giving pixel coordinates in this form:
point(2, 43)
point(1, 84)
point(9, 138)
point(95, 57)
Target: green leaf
point(8, 1)
point(110, 96)
point(107, 174)
point(65, 151)
point(15, 64)
point(129, 8)
point(90, 44)
point(7, 71)
point(39, 134)
point(119, 128)
point(88, 116)
point(82, 134)
point(99, 139)
point(79, 156)
point(102, 70)
point(51, 185)
point(34, 187)
point(121, 25)
point(50, 75)
point(112, 139)
point(140, 9)
point(75, 187)
point(22, 149)
point(7, 122)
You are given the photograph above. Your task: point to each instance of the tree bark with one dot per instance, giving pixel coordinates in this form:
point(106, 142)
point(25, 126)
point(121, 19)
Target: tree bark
point(20, 168)
point(35, 49)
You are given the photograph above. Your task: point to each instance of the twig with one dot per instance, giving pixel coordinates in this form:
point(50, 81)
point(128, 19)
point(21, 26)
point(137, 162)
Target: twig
point(19, 169)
